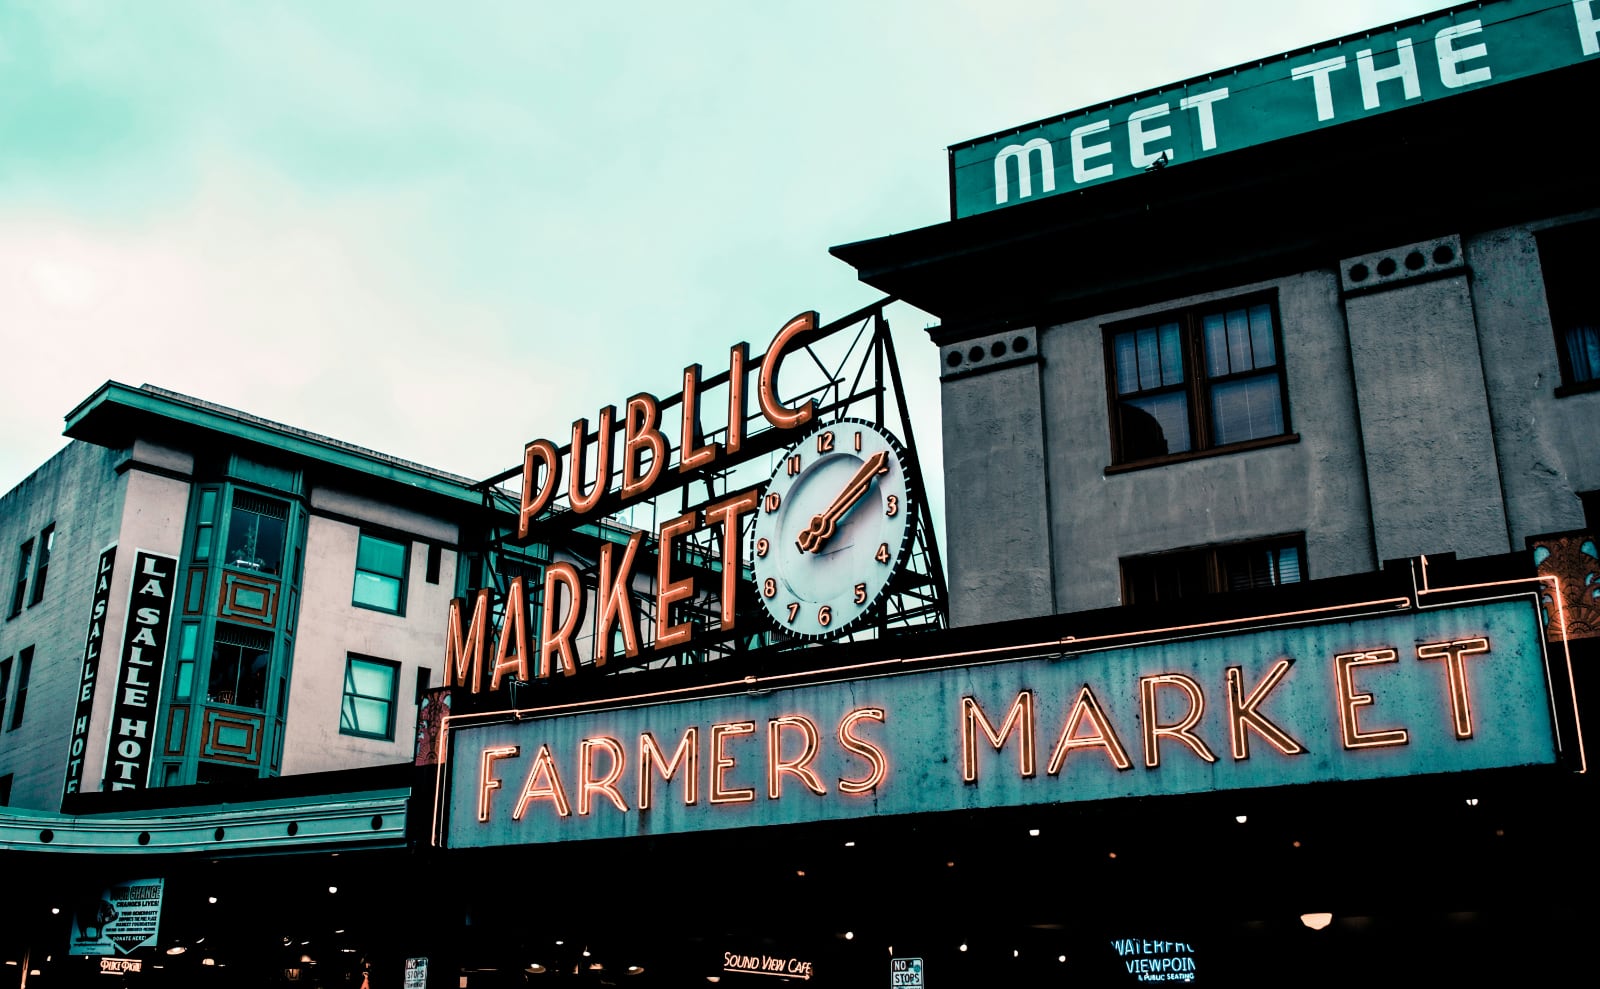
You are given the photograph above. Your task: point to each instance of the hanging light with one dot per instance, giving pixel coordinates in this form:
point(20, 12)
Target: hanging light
point(1316, 921)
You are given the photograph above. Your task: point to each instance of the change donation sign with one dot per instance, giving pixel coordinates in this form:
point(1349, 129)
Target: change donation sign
point(118, 919)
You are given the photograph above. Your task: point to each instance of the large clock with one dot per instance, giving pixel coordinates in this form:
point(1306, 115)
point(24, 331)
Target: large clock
point(832, 530)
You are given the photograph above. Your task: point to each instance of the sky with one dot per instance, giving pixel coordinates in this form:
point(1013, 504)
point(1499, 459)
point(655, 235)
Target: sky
point(442, 230)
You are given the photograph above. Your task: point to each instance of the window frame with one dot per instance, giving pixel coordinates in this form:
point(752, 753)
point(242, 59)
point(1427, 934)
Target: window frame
point(1564, 275)
point(391, 702)
point(19, 705)
point(404, 577)
point(20, 594)
point(1210, 562)
point(41, 562)
point(1197, 385)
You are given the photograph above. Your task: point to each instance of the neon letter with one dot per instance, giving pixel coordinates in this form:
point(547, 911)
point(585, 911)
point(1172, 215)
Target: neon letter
point(535, 453)
point(721, 762)
point(488, 782)
point(767, 382)
point(513, 637)
point(972, 718)
point(727, 514)
point(799, 767)
point(1344, 675)
point(1453, 654)
point(1153, 731)
point(669, 591)
point(606, 784)
point(544, 765)
point(1103, 735)
point(691, 457)
point(555, 638)
point(875, 756)
point(641, 433)
point(687, 754)
point(463, 657)
point(1242, 713)
point(614, 605)
point(581, 502)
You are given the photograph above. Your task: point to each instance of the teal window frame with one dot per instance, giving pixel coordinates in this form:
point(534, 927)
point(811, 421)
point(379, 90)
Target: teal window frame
point(374, 571)
point(356, 696)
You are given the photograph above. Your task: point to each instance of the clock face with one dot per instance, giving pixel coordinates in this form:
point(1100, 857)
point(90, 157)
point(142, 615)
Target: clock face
point(833, 528)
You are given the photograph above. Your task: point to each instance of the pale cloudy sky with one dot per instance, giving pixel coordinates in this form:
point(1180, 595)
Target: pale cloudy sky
point(443, 229)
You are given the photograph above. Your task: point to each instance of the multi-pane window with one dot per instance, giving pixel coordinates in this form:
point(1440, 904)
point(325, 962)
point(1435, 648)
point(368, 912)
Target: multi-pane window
point(1165, 577)
point(18, 706)
point(24, 559)
point(41, 567)
point(256, 528)
point(1568, 257)
point(1195, 380)
point(239, 661)
point(380, 575)
point(369, 688)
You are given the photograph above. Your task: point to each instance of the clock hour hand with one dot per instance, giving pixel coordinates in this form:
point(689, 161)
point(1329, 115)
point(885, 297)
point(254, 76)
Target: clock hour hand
point(823, 524)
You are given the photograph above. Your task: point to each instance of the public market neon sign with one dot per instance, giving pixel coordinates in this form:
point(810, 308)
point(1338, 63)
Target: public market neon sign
point(476, 653)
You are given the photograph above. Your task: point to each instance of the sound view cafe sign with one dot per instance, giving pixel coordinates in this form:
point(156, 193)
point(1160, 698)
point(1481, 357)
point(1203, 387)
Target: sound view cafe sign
point(1395, 690)
point(1430, 58)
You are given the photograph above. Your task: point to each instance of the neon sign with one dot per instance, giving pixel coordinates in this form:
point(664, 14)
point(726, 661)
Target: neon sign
point(584, 470)
point(1451, 689)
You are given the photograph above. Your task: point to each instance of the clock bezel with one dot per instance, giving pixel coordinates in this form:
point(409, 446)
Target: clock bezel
point(762, 569)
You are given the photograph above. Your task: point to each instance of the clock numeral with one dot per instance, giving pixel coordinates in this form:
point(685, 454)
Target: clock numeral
point(773, 501)
point(762, 546)
point(861, 594)
point(794, 609)
point(794, 465)
point(824, 615)
point(882, 555)
point(770, 588)
point(825, 442)
point(858, 441)
point(894, 506)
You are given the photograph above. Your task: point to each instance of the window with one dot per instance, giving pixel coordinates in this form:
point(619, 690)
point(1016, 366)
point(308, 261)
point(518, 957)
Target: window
point(1568, 257)
point(368, 709)
point(238, 673)
point(5, 790)
point(1195, 380)
point(1191, 573)
point(24, 668)
point(5, 686)
point(24, 557)
point(255, 533)
point(435, 558)
point(381, 575)
point(47, 541)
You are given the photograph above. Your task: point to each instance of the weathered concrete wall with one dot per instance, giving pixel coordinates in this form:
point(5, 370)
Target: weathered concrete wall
point(1430, 452)
point(1549, 447)
point(330, 628)
point(998, 562)
point(79, 491)
point(1313, 485)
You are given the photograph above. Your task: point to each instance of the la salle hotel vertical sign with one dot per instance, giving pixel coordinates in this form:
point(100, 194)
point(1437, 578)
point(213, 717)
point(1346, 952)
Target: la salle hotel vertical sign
point(1388, 694)
point(88, 676)
point(138, 685)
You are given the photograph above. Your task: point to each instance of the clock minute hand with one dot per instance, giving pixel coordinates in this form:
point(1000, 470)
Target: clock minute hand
point(823, 524)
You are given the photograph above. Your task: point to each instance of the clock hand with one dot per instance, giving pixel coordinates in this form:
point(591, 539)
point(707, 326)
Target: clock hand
point(822, 526)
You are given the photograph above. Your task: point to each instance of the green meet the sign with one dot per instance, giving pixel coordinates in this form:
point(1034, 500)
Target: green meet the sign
point(1432, 57)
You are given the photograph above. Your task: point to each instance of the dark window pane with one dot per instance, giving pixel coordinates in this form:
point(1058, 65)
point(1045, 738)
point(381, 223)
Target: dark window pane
point(1155, 426)
point(1127, 360)
point(1215, 330)
point(239, 661)
point(255, 533)
point(1246, 409)
point(1171, 354)
point(1583, 352)
point(1239, 341)
point(381, 556)
point(1261, 339)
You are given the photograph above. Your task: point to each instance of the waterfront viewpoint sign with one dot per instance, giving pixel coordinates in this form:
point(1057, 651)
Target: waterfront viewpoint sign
point(1395, 691)
point(1434, 56)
